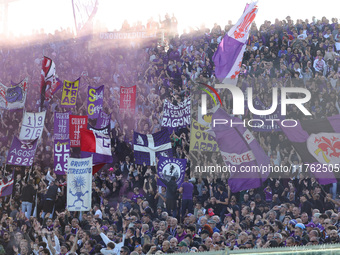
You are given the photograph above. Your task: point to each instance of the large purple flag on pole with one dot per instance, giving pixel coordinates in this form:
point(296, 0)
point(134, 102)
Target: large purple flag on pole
point(229, 54)
point(239, 150)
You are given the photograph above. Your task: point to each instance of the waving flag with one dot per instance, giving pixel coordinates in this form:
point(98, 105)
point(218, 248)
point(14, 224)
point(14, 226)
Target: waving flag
point(49, 82)
point(84, 12)
point(96, 144)
point(13, 97)
point(318, 144)
point(229, 54)
point(148, 147)
point(239, 148)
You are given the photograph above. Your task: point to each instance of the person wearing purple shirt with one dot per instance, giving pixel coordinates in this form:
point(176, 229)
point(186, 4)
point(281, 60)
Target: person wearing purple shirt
point(186, 189)
point(180, 233)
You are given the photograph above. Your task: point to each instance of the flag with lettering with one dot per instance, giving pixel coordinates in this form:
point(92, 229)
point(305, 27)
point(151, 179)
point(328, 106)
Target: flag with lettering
point(32, 125)
point(229, 54)
point(200, 140)
point(128, 99)
point(13, 97)
point(61, 125)
point(61, 155)
point(69, 94)
point(103, 120)
point(148, 147)
point(176, 116)
point(239, 149)
point(79, 184)
point(76, 124)
point(169, 167)
point(95, 101)
point(96, 144)
point(318, 144)
point(22, 153)
point(49, 82)
point(105, 130)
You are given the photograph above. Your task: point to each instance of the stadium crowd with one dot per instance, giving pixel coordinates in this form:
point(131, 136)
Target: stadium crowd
point(130, 213)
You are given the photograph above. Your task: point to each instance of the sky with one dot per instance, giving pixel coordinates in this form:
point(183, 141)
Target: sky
point(28, 15)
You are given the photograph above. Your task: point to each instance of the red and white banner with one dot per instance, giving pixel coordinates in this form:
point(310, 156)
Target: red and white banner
point(76, 123)
point(128, 99)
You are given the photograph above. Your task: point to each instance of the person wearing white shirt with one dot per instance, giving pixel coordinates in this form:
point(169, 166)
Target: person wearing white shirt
point(98, 213)
point(320, 65)
point(107, 240)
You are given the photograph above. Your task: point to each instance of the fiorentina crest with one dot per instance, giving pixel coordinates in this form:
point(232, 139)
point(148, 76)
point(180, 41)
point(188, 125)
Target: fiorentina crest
point(169, 167)
point(325, 147)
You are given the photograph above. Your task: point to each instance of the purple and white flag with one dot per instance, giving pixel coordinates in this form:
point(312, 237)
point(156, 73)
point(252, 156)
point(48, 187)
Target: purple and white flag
point(61, 125)
point(239, 149)
point(266, 123)
point(168, 167)
point(176, 116)
point(61, 155)
point(103, 120)
point(148, 147)
point(95, 101)
point(229, 54)
point(21, 153)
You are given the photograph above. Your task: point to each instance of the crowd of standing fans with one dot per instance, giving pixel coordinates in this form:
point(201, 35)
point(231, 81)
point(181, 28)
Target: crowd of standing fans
point(130, 214)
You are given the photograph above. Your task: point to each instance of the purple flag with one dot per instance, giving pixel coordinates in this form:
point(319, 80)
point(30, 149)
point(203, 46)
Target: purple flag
point(61, 125)
point(103, 120)
point(61, 155)
point(168, 167)
point(266, 123)
point(229, 54)
point(318, 144)
point(94, 101)
point(148, 147)
point(21, 153)
point(239, 150)
point(176, 116)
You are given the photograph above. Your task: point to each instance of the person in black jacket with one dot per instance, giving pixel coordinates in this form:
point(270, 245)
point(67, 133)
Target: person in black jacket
point(306, 206)
point(51, 196)
point(171, 194)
